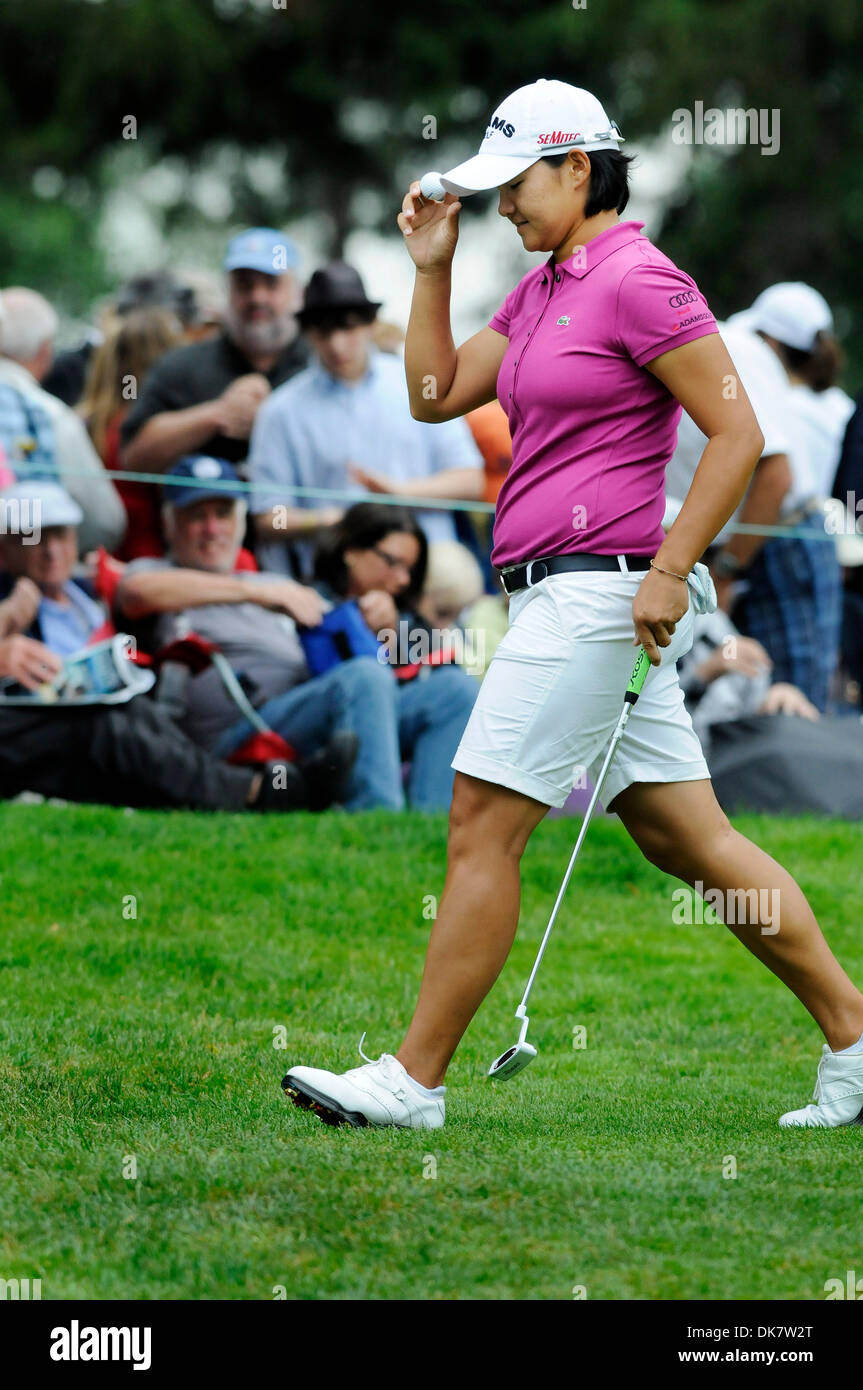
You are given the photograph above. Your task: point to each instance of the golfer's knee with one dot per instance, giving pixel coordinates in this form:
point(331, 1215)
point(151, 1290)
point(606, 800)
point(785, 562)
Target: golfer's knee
point(484, 823)
point(683, 851)
point(659, 849)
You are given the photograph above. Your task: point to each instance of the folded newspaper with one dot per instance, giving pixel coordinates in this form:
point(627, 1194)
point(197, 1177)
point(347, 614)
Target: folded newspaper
point(103, 674)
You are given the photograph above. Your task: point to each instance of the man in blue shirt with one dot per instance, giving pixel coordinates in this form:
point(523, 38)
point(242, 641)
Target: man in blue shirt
point(344, 423)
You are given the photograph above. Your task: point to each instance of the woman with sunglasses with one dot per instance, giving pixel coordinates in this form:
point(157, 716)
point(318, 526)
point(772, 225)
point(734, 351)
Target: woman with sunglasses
point(376, 557)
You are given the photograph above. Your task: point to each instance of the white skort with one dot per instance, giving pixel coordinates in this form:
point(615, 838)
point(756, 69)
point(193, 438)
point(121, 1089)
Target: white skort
point(553, 693)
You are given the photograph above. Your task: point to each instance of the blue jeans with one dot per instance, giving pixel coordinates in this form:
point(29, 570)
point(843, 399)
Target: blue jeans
point(793, 606)
point(420, 720)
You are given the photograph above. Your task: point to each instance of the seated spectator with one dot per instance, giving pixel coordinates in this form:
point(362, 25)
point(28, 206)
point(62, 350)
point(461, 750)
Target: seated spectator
point(767, 746)
point(250, 617)
point(41, 436)
point(203, 398)
point(454, 597)
point(117, 373)
point(453, 582)
point(345, 423)
point(376, 557)
point(42, 599)
point(126, 754)
point(725, 676)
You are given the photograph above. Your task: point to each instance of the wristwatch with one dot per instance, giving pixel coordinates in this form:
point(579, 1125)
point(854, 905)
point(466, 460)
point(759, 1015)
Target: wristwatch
point(727, 566)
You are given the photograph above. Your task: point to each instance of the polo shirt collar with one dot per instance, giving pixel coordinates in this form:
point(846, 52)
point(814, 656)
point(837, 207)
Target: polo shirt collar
point(596, 251)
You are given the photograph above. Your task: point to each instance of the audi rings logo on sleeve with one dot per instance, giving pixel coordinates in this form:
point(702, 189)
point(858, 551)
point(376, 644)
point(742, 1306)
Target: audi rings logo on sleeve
point(679, 301)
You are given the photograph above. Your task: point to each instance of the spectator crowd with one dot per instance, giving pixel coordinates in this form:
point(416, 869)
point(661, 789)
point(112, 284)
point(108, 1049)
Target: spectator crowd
point(228, 474)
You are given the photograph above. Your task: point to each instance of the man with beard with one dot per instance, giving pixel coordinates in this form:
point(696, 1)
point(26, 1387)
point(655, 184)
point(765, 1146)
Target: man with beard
point(203, 398)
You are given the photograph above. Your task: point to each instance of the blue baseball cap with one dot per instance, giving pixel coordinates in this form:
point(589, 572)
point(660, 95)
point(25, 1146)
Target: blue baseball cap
point(206, 471)
point(261, 249)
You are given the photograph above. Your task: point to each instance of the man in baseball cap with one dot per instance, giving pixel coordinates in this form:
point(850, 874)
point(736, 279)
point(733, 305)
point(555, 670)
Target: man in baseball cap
point(203, 398)
point(38, 548)
point(207, 477)
point(261, 249)
point(545, 117)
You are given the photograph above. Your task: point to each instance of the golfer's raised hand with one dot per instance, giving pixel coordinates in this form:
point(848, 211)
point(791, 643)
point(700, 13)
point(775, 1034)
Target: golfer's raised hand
point(658, 606)
point(430, 229)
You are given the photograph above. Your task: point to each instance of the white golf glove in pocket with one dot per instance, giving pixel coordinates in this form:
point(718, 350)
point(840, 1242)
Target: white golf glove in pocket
point(702, 599)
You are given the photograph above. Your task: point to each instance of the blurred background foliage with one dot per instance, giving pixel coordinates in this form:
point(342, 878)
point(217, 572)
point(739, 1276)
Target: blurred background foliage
point(260, 110)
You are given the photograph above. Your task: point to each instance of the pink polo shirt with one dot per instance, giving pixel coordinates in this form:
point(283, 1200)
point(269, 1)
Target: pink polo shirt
point(592, 429)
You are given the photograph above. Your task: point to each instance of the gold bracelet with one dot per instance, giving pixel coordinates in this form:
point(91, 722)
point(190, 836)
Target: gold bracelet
point(655, 566)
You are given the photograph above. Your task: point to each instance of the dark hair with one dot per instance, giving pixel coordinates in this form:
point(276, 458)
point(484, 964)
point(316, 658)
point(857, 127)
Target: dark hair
point(609, 179)
point(160, 289)
point(327, 320)
point(819, 368)
point(362, 527)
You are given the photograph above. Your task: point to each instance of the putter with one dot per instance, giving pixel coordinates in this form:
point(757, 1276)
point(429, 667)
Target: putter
point(516, 1058)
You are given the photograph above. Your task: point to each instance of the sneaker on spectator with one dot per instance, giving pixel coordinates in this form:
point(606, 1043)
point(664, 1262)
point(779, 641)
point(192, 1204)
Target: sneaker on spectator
point(312, 784)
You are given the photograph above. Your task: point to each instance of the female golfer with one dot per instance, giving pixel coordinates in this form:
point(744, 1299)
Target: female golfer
point(592, 355)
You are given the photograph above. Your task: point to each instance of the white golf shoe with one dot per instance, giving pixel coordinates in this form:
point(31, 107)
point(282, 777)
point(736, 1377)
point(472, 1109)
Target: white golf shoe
point(838, 1094)
point(378, 1093)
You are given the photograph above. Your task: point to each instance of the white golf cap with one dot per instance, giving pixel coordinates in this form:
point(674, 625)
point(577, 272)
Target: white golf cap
point(791, 312)
point(546, 117)
point(54, 506)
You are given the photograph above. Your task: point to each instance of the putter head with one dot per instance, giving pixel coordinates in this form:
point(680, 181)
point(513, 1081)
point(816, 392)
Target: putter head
point(509, 1063)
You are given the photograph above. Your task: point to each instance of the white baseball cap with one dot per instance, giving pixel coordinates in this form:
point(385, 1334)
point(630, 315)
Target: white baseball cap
point(54, 505)
point(791, 312)
point(546, 117)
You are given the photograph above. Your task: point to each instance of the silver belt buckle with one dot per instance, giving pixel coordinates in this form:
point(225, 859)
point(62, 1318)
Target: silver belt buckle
point(507, 569)
point(529, 575)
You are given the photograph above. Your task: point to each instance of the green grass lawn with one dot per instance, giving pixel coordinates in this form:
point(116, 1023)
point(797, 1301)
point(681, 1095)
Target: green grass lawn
point(147, 1042)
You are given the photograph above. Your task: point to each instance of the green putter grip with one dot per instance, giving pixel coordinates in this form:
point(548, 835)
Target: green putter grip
point(638, 677)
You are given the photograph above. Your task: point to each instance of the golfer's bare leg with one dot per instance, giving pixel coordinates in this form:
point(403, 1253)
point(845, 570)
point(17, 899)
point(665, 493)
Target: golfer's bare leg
point(489, 827)
point(680, 827)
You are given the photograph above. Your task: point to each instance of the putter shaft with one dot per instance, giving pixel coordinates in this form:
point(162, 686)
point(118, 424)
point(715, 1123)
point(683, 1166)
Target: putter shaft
point(639, 674)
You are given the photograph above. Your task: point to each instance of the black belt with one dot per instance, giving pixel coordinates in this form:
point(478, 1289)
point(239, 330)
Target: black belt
point(524, 576)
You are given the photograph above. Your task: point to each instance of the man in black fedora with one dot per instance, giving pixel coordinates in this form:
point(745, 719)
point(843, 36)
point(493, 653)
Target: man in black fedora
point(344, 425)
